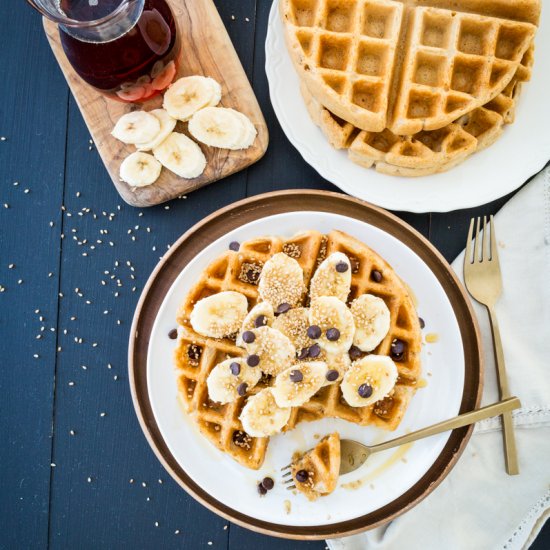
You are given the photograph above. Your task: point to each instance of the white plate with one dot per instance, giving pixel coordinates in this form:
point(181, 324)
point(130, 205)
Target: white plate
point(520, 152)
point(235, 485)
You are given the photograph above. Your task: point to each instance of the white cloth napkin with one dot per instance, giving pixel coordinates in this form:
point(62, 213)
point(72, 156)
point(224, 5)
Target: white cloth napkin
point(478, 506)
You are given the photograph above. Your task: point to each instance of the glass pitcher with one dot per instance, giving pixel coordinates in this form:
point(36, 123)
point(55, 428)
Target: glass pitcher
point(125, 48)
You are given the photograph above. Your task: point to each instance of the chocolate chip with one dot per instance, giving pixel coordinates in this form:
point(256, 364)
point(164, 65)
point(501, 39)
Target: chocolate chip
point(354, 353)
point(365, 390)
point(194, 353)
point(235, 368)
point(422, 323)
point(261, 489)
point(397, 349)
point(234, 245)
point(260, 321)
point(268, 483)
point(248, 336)
point(283, 308)
point(333, 334)
point(253, 360)
point(314, 350)
point(296, 376)
point(303, 354)
point(332, 375)
point(302, 476)
point(341, 267)
point(241, 389)
point(375, 275)
point(314, 332)
point(173, 334)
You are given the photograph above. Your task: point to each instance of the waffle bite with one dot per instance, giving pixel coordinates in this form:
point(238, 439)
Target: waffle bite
point(240, 271)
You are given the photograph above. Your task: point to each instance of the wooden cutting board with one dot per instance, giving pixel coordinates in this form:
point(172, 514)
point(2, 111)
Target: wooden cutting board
point(206, 49)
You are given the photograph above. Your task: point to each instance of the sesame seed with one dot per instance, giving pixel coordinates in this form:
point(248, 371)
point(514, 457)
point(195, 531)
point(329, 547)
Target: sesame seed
point(89, 479)
point(156, 523)
point(102, 414)
point(143, 484)
point(177, 532)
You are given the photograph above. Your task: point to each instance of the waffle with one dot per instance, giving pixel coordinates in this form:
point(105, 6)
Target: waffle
point(322, 464)
point(196, 355)
point(393, 64)
point(427, 152)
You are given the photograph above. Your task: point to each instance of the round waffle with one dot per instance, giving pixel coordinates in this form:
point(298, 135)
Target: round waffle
point(393, 64)
point(196, 356)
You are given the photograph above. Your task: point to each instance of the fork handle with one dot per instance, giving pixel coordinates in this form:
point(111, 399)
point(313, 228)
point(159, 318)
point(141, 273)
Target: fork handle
point(510, 450)
point(507, 405)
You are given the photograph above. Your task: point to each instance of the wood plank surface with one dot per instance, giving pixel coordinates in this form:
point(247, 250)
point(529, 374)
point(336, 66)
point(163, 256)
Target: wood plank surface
point(206, 49)
point(109, 511)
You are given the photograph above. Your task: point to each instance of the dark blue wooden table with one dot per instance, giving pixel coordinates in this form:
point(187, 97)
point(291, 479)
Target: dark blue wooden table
point(76, 470)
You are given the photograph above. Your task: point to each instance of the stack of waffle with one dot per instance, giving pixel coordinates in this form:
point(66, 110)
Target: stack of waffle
point(411, 87)
point(196, 355)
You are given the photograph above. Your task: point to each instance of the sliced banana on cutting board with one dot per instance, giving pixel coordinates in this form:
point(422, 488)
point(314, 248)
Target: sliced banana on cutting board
point(281, 281)
point(269, 349)
point(369, 380)
point(259, 316)
point(219, 315)
point(332, 278)
point(136, 127)
point(262, 417)
point(372, 321)
point(335, 320)
point(231, 379)
point(223, 128)
point(189, 94)
point(181, 155)
point(167, 124)
point(297, 384)
point(140, 169)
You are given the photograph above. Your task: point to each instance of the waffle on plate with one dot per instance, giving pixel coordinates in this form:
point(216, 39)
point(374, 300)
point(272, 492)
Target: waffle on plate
point(246, 372)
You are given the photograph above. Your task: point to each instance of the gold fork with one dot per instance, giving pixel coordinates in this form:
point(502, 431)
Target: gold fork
point(354, 454)
point(484, 282)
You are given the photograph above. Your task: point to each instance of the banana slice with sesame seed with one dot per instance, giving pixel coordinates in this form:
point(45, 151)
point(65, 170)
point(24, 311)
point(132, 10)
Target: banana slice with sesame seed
point(294, 324)
point(332, 278)
point(335, 322)
point(296, 385)
point(219, 315)
point(281, 282)
point(268, 348)
point(260, 315)
point(372, 321)
point(262, 417)
point(337, 365)
point(369, 380)
point(231, 379)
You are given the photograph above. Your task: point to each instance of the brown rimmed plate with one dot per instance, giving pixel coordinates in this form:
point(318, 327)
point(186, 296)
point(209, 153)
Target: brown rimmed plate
point(249, 210)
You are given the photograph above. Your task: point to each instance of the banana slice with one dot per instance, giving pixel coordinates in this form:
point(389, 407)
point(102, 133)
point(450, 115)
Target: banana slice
point(297, 384)
point(335, 320)
point(189, 94)
point(140, 169)
point(332, 278)
point(262, 417)
point(268, 348)
point(219, 315)
point(294, 324)
point(337, 365)
point(167, 124)
point(281, 282)
point(260, 315)
point(136, 127)
point(372, 321)
point(369, 380)
point(231, 379)
point(250, 131)
point(220, 127)
point(181, 155)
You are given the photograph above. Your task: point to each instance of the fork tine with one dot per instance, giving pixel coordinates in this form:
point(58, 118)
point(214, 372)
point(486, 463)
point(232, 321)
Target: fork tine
point(286, 467)
point(485, 241)
point(290, 487)
point(468, 254)
point(476, 242)
point(287, 481)
point(494, 249)
point(287, 474)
